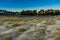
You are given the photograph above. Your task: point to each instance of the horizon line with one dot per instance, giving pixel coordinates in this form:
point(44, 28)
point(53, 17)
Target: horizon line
point(27, 9)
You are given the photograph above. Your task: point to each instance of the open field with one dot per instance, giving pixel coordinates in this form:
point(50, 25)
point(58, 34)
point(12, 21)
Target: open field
point(34, 28)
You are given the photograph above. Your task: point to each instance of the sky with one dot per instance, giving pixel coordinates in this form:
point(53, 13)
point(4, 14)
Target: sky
point(18, 5)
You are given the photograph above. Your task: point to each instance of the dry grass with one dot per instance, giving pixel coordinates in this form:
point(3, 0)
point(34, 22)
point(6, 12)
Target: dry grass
point(50, 21)
point(57, 17)
point(57, 38)
point(15, 24)
point(57, 28)
point(19, 24)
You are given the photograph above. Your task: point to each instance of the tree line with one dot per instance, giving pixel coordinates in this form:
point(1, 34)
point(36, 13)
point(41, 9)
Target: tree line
point(41, 12)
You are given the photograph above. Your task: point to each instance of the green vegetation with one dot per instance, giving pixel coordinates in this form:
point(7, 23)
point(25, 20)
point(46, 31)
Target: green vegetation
point(41, 12)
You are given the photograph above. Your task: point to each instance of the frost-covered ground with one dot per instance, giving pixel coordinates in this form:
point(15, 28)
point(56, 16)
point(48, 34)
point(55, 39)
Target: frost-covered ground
point(16, 28)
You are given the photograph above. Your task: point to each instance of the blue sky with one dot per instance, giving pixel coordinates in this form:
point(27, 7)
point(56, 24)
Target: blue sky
point(17, 5)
